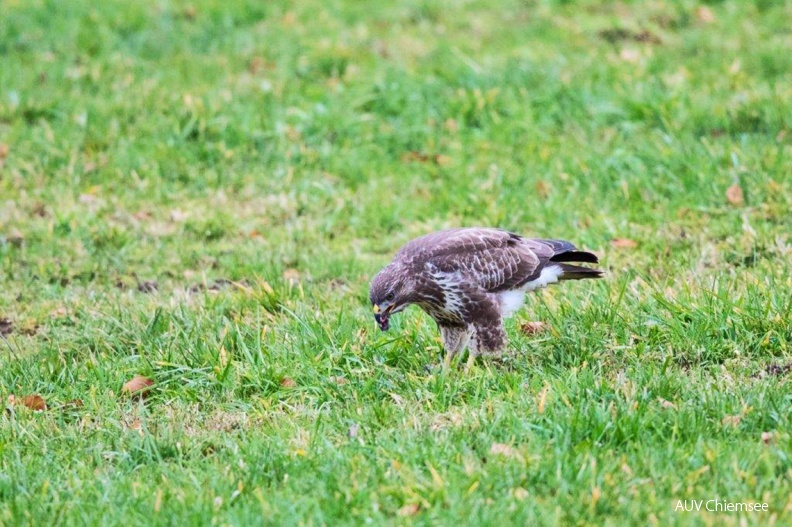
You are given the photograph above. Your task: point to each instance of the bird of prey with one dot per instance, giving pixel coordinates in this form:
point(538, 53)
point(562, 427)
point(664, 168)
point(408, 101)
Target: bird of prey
point(468, 280)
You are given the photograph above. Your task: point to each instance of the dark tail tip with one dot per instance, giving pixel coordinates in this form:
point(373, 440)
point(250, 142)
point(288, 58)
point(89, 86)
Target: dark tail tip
point(577, 272)
point(575, 256)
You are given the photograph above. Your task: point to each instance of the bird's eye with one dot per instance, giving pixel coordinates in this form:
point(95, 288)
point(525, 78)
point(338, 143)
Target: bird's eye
point(389, 297)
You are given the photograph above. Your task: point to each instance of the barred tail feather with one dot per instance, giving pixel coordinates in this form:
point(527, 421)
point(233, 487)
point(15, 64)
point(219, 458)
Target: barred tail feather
point(577, 272)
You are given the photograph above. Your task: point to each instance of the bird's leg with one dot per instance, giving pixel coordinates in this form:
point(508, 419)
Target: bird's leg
point(452, 338)
point(486, 340)
point(471, 360)
point(473, 352)
point(449, 356)
point(454, 341)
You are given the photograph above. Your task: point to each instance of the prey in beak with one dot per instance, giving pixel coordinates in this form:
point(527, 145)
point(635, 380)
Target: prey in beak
point(381, 317)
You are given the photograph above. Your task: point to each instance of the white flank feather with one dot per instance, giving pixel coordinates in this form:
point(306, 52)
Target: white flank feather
point(549, 275)
point(513, 300)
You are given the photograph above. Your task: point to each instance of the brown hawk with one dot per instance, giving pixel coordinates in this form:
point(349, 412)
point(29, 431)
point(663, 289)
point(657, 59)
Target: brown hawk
point(469, 279)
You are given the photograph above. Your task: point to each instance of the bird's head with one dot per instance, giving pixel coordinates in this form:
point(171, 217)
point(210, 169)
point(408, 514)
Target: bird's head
point(391, 291)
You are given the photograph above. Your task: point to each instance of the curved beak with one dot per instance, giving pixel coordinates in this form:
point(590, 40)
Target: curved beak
point(382, 316)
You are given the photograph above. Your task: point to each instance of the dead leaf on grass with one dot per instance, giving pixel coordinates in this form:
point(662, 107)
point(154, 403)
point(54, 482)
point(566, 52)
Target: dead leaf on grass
point(15, 237)
point(731, 420)
point(666, 404)
point(288, 382)
point(630, 55)
point(178, 216)
point(502, 449)
point(34, 402)
point(540, 407)
point(138, 387)
point(705, 14)
point(768, 438)
point(519, 493)
point(532, 328)
point(59, 312)
point(410, 509)
point(734, 194)
point(542, 188)
point(142, 215)
point(291, 275)
point(596, 494)
point(623, 243)
point(442, 160)
point(416, 156)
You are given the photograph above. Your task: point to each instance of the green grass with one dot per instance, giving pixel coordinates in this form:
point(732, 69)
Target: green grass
point(292, 148)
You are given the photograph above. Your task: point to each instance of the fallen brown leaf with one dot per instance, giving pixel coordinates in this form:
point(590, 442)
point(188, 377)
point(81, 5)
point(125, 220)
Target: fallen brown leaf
point(142, 215)
point(705, 14)
point(3, 150)
point(133, 424)
point(28, 328)
point(178, 216)
point(540, 407)
point(505, 450)
point(442, 160)
point(519, 493)
point(768, 437)
point(623, 243)
point(291, 275)
point(532, 328)
point(74, 403)
point(731, 420)
point(666, 404)
point(630, 55)
point(40, 210)
point(596, 494)
point(255, 64)
point(542, 188)
point(414, 155)
point(288, 382)
point(409, 510)
point(34, 402)
point(734, 194)
point(59, 312)
point(15, 237)
point(138, 387)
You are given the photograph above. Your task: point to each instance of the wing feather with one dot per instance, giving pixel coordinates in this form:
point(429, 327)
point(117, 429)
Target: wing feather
point(496, 260)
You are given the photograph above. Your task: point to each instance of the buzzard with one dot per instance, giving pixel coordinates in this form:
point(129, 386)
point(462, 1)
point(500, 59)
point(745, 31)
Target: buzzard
point(469, 279)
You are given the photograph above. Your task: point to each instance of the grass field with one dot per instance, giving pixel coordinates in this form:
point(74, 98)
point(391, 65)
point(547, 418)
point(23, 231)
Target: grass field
point(200, 193)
